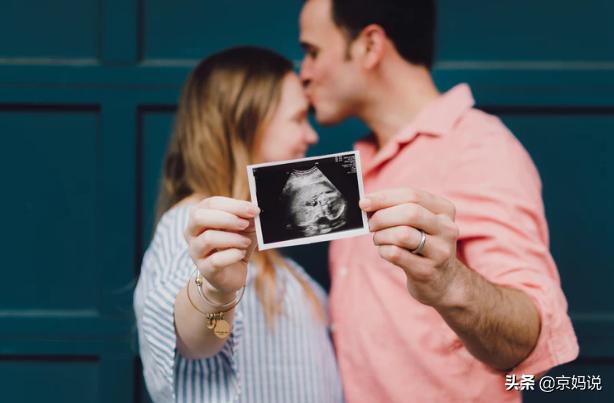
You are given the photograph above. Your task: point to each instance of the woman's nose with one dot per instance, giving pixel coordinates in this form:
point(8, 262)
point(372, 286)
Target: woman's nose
point(311, 137)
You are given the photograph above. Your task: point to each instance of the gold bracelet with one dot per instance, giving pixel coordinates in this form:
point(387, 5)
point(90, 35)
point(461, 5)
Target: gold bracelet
point(192, 302)
point(215, 321)
point(199, 281)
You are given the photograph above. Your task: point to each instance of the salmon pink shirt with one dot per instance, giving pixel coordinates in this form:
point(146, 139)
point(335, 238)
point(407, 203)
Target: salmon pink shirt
point(391, 348)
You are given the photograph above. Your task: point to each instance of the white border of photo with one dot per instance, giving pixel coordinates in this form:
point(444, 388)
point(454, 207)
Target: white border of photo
point(316, 238)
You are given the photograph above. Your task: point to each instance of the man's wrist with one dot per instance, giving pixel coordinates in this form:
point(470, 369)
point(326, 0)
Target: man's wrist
point(457, 295)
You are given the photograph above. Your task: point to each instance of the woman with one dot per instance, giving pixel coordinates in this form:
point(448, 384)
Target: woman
point(211, 326)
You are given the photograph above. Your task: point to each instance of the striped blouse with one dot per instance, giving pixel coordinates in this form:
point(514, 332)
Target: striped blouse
point(293, 363)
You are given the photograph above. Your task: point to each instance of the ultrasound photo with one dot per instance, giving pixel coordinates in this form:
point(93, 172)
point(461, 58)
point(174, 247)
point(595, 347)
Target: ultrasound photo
point(308, 200)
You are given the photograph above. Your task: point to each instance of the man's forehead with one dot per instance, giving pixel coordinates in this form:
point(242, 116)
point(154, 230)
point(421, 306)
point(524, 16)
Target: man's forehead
point(316, 15)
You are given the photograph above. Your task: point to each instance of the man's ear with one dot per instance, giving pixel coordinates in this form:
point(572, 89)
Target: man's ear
point(373, 43)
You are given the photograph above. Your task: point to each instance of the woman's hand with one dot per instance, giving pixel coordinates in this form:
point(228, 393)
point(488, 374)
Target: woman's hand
point(221, 239)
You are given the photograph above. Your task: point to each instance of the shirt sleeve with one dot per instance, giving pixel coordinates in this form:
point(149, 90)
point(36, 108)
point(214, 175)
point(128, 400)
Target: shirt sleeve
point(164, 273)
point(504, 235)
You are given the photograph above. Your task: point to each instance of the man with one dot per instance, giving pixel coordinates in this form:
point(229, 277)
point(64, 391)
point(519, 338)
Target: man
point(456, 287)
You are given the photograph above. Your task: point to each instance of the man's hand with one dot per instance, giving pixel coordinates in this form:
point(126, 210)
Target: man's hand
point(498, 325)
point(397, 218)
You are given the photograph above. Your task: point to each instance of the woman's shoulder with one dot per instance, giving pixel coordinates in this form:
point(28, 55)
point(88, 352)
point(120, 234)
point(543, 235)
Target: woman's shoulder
point(168, 234)
point(174, 220)
point(178, 212)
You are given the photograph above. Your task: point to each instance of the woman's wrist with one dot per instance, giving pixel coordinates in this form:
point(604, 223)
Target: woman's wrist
point(204, 303)
point(215, 295)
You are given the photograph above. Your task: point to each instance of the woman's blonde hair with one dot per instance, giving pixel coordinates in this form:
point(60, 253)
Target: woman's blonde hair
point(224, 108)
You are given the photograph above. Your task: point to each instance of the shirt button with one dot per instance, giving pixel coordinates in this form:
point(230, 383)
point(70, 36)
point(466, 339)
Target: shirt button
point(343, 271)
point(332, 327)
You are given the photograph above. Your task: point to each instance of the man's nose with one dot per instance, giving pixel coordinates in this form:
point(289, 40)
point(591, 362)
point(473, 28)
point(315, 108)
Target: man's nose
point(305, 73)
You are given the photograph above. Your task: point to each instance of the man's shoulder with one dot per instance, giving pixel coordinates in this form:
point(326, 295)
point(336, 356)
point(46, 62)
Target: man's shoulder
point(479, 123)
point(483, 141)
point(477, 127)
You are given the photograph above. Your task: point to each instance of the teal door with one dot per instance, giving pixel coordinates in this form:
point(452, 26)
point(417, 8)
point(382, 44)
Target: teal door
point(87, 95)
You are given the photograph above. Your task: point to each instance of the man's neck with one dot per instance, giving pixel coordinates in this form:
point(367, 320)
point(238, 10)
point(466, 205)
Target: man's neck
point(397, 98)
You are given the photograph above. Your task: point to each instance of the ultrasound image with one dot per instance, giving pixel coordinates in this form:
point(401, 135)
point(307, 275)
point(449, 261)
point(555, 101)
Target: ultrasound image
point(307, 198)
point(314, 205)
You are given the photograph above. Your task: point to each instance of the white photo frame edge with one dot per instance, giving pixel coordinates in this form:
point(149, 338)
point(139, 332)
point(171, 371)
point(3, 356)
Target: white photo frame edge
point(316, 238)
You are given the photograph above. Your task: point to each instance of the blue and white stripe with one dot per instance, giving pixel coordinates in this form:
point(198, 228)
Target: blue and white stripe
point(293, 363)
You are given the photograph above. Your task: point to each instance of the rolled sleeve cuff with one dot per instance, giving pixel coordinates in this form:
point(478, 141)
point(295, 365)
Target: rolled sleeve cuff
point(556, 343)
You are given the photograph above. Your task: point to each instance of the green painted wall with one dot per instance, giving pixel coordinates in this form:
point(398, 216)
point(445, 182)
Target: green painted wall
point(87, 94)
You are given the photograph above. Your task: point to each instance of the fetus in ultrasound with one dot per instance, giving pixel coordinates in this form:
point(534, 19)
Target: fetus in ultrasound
point(314, 206)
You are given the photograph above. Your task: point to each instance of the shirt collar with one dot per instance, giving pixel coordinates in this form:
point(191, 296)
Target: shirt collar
point(437, 118)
